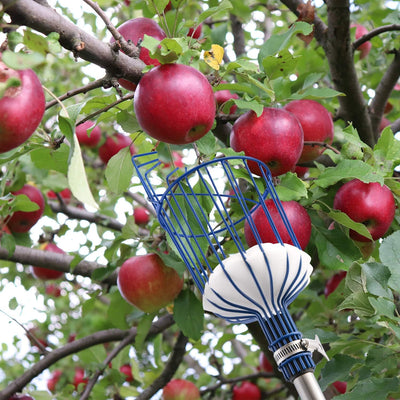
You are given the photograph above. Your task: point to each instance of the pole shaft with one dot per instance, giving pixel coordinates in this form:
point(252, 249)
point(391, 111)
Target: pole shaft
point(307, 387)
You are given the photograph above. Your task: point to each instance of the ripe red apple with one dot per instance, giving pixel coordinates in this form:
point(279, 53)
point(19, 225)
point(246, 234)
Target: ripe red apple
point(180, 389)
point(369, 203)
point(127, 370)
point(22, 221)
point(195, 33)
point(222, 96)
point(21, 107)
point(300, 171)
point(297, 216)
point(141, 216)
point(174, 103)
point(79, 377)
point(364, 48)
point(333, 282)
point(113, 145)
point(265, 364)
point(65, 195)
point(87, 136)
point(147, 283)
point(177, 161)
point(52, 382)
point(317, 125)
point(47, 273)
point(134, 30)
point(275, 137)
point(246, 391)
point(53, 290)
point(340, 386)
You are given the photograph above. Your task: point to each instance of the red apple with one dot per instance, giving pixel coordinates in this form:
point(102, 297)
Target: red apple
point(298, 219)
point(113, 145)
point(53, 290)
point(195, 33)
point(79, 377)
point(177, 161)
point(47, 273)
point(127, 370)
point(52, 382)
point(180, 389)
point(317, 125)
point(22, 221)
point(340, 386)
point(333, 282)
point(364, 48)
point(134, 30)
point(21, 107)
point(65, 195)
point(265, 364)
point(147, 283)
point(369, 203)
point(383, 124)
point(168, 7)
point(87, 136)
point(246, 391)
point(275, 137)
point(174, 103)
point(300, 171)
point(141, 215)
point(222, 96)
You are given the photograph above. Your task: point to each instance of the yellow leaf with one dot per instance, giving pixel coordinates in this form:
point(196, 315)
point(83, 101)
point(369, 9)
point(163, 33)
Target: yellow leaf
point(214, 57)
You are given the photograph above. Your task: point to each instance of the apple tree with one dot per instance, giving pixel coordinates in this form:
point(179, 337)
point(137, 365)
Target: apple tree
point(309, 87)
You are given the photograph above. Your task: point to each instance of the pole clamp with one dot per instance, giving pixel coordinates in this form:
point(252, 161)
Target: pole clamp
point(299, 346)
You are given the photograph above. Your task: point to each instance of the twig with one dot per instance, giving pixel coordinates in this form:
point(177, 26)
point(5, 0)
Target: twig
point(322, 144)
point(373, 33)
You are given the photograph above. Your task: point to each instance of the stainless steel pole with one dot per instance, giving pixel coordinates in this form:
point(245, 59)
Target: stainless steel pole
point(307, 387)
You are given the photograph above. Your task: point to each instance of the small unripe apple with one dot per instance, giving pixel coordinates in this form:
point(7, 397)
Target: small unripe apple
point(317, 125)
point(22, 221)
point(180, 389)
point(127, 370)
point(364, 48)
point(65, 195)
point(275, 138)
point(86, 135)
point(175, 104)
point(147, 283)
point(369, 203)
point(134, 31)
point(246, 391)
point(21, 107)
point(141, 216)
point(333, 282)
point(298, 219)
point(47, 273)
point(113, 145)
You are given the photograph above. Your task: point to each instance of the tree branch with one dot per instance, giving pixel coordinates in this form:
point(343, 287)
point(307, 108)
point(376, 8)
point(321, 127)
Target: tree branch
point(373, 33)
point(78, 345)
point(46, 20)
point(52, 260)
point(170, 368)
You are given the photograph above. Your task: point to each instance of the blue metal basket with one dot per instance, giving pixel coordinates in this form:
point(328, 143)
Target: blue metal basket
point(203, 211)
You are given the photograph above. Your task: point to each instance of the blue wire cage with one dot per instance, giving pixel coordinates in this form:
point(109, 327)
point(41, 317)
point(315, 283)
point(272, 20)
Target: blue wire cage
point(203, 211)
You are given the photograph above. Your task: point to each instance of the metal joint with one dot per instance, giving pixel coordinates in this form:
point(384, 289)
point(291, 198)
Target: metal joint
point(299, 346)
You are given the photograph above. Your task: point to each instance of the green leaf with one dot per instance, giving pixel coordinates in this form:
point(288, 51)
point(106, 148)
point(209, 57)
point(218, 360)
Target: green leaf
point(360, 303)
point(291, 188)
point(337, 369)
point(156, 6)
point(118, 310)
point(377, 278)
point(372, 388)
point(207, 144)
point(189, 314)
point(7, 242)
point(281, 64)
point(383, 307)
point(389, 253)
point(22, 60)
point(11, 82)
point(276, 43)
point(348, 169)
point(223, 6)
point(253, 105)
point(128, 121)
point(51, 159)
point(35, 42)
point(346, 221)
point(143, 330)
point(77, 179)
point(387, 151)
point(23, 203)
point(128, 391)
point(13, 303)
point(316, 93)
point(119, 171)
